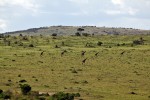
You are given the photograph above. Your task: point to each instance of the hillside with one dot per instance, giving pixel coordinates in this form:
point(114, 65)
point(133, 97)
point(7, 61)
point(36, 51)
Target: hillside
point(112, 67)
point(71, 30)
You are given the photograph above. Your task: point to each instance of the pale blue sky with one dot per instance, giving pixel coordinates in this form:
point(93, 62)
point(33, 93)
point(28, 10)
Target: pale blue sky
point(24, 14)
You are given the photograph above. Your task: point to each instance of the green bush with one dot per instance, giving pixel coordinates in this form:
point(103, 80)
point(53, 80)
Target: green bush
point(138, 42)
point(22, 81)
point(5, 95)
point(25, 89)
point(85, 34)
point(1, 35)
point(80, 29)
point(77, 34)
point(63, 96)
point(99, 43)
point(31, 45)
point(1, 91)
point(54, 34)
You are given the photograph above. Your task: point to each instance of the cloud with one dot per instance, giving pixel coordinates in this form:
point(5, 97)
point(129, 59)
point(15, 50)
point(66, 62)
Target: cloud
point(80, 1)
point(127, 22)
point(118, 2)
point(26, 4)
point(113, 12)
point(3, 24)
point(12, 10)
point(122, 11)
point(122, 7)
point(23, 14)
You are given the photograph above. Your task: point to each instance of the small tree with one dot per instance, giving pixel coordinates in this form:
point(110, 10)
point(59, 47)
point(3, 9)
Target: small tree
point(25, 89)
point(99, 43)
point(85, 34)
point(63, 96)
point(77, 34)
point(138, 42)
point(1, 35)
point(80, 29)
point(54, 34)
point(20, 35)
point(31, 45)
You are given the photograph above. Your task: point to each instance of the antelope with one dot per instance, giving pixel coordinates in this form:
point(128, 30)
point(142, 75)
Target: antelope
point(83, 53)
point(62, 53)
point(42, 53)
point(96, 53)
point(122, 52)
point(83, 61)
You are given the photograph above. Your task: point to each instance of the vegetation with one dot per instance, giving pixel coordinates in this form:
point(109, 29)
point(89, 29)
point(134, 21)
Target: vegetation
point(64, 96)
point(28, 94)
point(109, 67)
point(25, 88)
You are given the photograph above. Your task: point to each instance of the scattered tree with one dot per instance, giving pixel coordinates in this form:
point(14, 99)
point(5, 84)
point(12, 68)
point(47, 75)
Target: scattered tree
point(80, 29)
point(54, 34)
point(85, 34)
point(25, 89)
point(99, 43)
point(77, 34)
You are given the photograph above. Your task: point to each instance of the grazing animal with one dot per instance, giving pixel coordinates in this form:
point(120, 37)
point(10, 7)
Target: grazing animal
point(42, 53)
point(83, 61)
point(96, 53)
point(83, 53)
point(122, 52)
point(62, 53)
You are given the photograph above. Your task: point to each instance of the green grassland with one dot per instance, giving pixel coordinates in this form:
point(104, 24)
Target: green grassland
point(121, 70)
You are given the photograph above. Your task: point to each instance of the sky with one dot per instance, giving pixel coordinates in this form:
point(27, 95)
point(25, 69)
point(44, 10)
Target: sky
point(25, 14)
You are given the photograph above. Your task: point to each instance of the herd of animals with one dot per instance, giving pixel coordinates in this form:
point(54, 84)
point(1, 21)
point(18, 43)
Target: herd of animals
point(82, 54)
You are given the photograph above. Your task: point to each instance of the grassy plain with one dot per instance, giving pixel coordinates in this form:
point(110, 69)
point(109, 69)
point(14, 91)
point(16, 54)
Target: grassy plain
point(108, 76)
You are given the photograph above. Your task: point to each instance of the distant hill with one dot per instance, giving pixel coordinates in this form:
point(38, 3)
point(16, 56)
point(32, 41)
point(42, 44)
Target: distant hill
point(71, 30)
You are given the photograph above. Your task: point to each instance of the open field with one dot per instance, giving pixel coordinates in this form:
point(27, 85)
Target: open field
point(120, 71)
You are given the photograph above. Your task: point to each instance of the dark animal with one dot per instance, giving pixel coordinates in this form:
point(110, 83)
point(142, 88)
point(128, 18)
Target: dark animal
point(62, 53)
point(96, 53)
point(83, 53)
point(122, 52)
point(83, 61)
point(42, 53)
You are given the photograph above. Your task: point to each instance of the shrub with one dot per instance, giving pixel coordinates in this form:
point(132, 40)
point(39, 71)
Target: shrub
point(118, 44)
point(77, 34)
point(77, 95)
point(5, 95)
point(137, 42)
point(1, 91)
point(31, 45)
point(62, 43)
point(63, 96)
point(25, 89)
point(19, 75)
point(1, 35)
point(22, 81)
point(85, 34)
point(99, 43)
point(20, 35)
point(25, 38)
point(54, 34)
point(123, 44)
point(41, 98)
point(56, 46)
point(20, 44)
point(80, 29)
